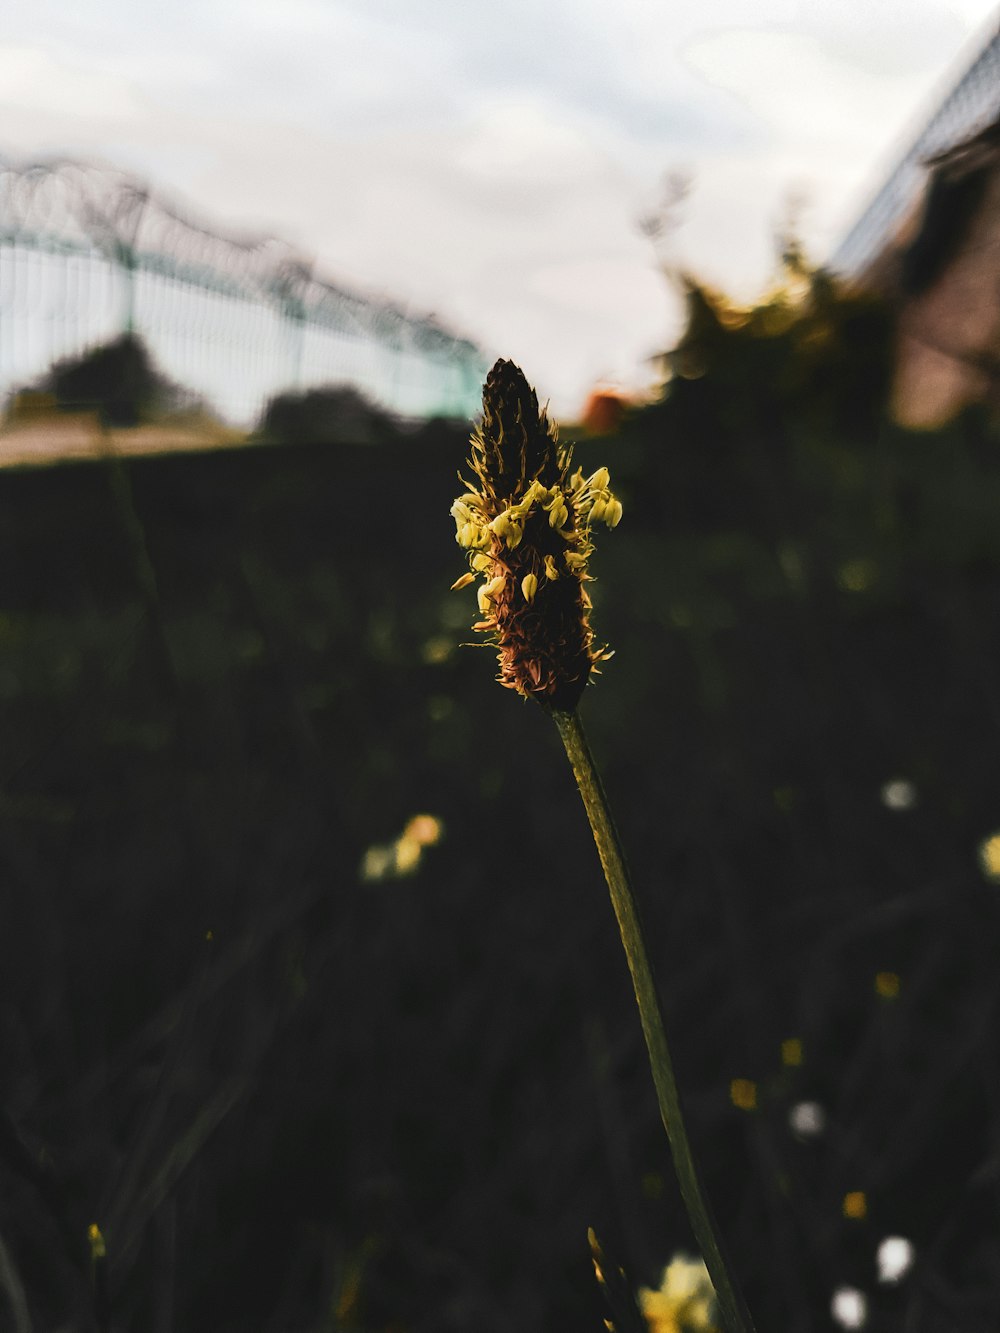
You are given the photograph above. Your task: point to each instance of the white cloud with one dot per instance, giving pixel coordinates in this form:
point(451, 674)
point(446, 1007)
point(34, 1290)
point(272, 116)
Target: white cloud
point(791, 81)
point(491, 167)
point(34, 80)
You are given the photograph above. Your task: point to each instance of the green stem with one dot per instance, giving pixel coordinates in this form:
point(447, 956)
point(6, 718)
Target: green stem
point(735, 1315)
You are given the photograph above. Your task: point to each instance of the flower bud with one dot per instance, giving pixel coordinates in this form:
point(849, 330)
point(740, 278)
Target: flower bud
point(524, 514)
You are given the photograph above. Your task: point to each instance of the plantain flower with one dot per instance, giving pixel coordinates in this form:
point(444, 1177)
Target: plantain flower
point(526, 523)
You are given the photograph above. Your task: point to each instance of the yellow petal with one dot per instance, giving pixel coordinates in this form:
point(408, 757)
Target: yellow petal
point(529, 586)
point(550, 568)
point(613, 513)
point(463, 582)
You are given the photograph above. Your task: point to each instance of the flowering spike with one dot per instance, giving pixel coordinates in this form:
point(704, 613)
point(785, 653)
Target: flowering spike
point(525, 518)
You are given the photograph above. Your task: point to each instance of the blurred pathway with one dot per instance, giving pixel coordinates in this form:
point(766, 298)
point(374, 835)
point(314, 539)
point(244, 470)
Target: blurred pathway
point(39, 441)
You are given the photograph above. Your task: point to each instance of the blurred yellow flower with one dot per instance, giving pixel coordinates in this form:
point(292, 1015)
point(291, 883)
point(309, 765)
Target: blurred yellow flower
point(989, 856)
point(685, 1300)
point(855, 1205)
point(887, 985)
point(857, 575)
point(791, 1051)
point(395, 860)
point(743, 1094)
point(425, 830)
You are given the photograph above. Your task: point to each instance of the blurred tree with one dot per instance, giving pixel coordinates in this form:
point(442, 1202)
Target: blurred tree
point(334, 414)
point(119, 381)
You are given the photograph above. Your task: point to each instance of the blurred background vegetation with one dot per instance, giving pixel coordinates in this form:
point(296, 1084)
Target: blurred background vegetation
point(311, 1065)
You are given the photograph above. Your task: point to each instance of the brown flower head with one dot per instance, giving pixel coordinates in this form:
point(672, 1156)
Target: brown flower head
point(526, 523)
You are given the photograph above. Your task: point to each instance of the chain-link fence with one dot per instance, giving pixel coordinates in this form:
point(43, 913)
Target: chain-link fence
point(969, 106)
point(88, 253)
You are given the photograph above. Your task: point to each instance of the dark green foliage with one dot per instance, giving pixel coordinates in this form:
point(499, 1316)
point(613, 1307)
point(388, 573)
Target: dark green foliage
point(400, 1104)
point(118, 380)
point(338, 414)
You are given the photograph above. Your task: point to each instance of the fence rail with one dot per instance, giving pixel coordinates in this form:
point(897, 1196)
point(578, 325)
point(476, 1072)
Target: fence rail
point(971, 104)
point(88, 252)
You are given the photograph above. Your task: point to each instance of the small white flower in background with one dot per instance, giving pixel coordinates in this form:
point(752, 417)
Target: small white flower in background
point(899, 794)
point(849, 1307)
point(807, 1119)
point(895, 1258)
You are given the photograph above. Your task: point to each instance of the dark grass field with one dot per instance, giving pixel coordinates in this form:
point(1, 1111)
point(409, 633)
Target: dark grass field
point(296, 1099)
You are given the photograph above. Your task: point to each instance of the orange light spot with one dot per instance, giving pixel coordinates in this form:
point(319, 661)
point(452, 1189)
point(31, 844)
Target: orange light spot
point(425, 830)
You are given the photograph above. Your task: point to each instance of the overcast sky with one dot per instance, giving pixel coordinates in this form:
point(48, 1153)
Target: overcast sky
point(489, 162)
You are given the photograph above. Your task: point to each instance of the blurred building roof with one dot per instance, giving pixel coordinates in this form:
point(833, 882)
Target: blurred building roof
point(972, 104)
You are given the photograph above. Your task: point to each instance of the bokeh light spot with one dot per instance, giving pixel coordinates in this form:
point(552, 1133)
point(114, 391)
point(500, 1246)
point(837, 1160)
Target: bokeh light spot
point(887, 985)
point(395, 860)
point(856, 575)
point(807, 1119)
point(898, 794)
point(989, 856)
point(855, 1205)
point(849, 1307)
point(437, 649)
point(791, 1051)
point(743, 1094)
point(895, 1258)
point(406, 855)
point(426, 830)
